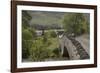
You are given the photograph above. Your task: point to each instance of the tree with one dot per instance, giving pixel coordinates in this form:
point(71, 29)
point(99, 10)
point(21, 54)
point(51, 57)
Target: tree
point(27, 34)
point(75, 23)
point(26, 42)
point(32, 30)
point(25, 19)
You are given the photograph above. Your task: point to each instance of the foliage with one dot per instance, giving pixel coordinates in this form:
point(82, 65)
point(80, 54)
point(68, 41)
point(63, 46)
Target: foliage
point(39, 50)
point(26, 15)
point(53, 34)
point(25, 23)
point(26, 42)
point(56, 51)
point(44, 48)
point(75, 23)
point(32, 30)
point(27, 34)
point(25, 19)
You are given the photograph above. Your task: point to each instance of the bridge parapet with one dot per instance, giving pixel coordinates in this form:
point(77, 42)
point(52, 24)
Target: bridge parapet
point(74, 48)
point(65, 42)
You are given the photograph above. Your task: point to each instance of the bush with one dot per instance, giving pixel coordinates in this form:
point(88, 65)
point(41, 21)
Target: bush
point(33, 32)
point(26, 34)
point(39, 51)
point(53, 34)
point(26, 45)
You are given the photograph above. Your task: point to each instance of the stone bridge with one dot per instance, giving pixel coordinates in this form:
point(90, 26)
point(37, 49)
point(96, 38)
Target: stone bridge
point(72, 49)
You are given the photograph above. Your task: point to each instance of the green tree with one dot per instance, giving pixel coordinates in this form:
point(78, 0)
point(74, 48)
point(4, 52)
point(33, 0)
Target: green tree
point(75, 23)
point(27, 34)
point(26, 42)
point(25, 19)
point(32, 30)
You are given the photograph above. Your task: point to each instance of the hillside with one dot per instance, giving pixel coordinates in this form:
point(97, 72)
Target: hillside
point(47, 19)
